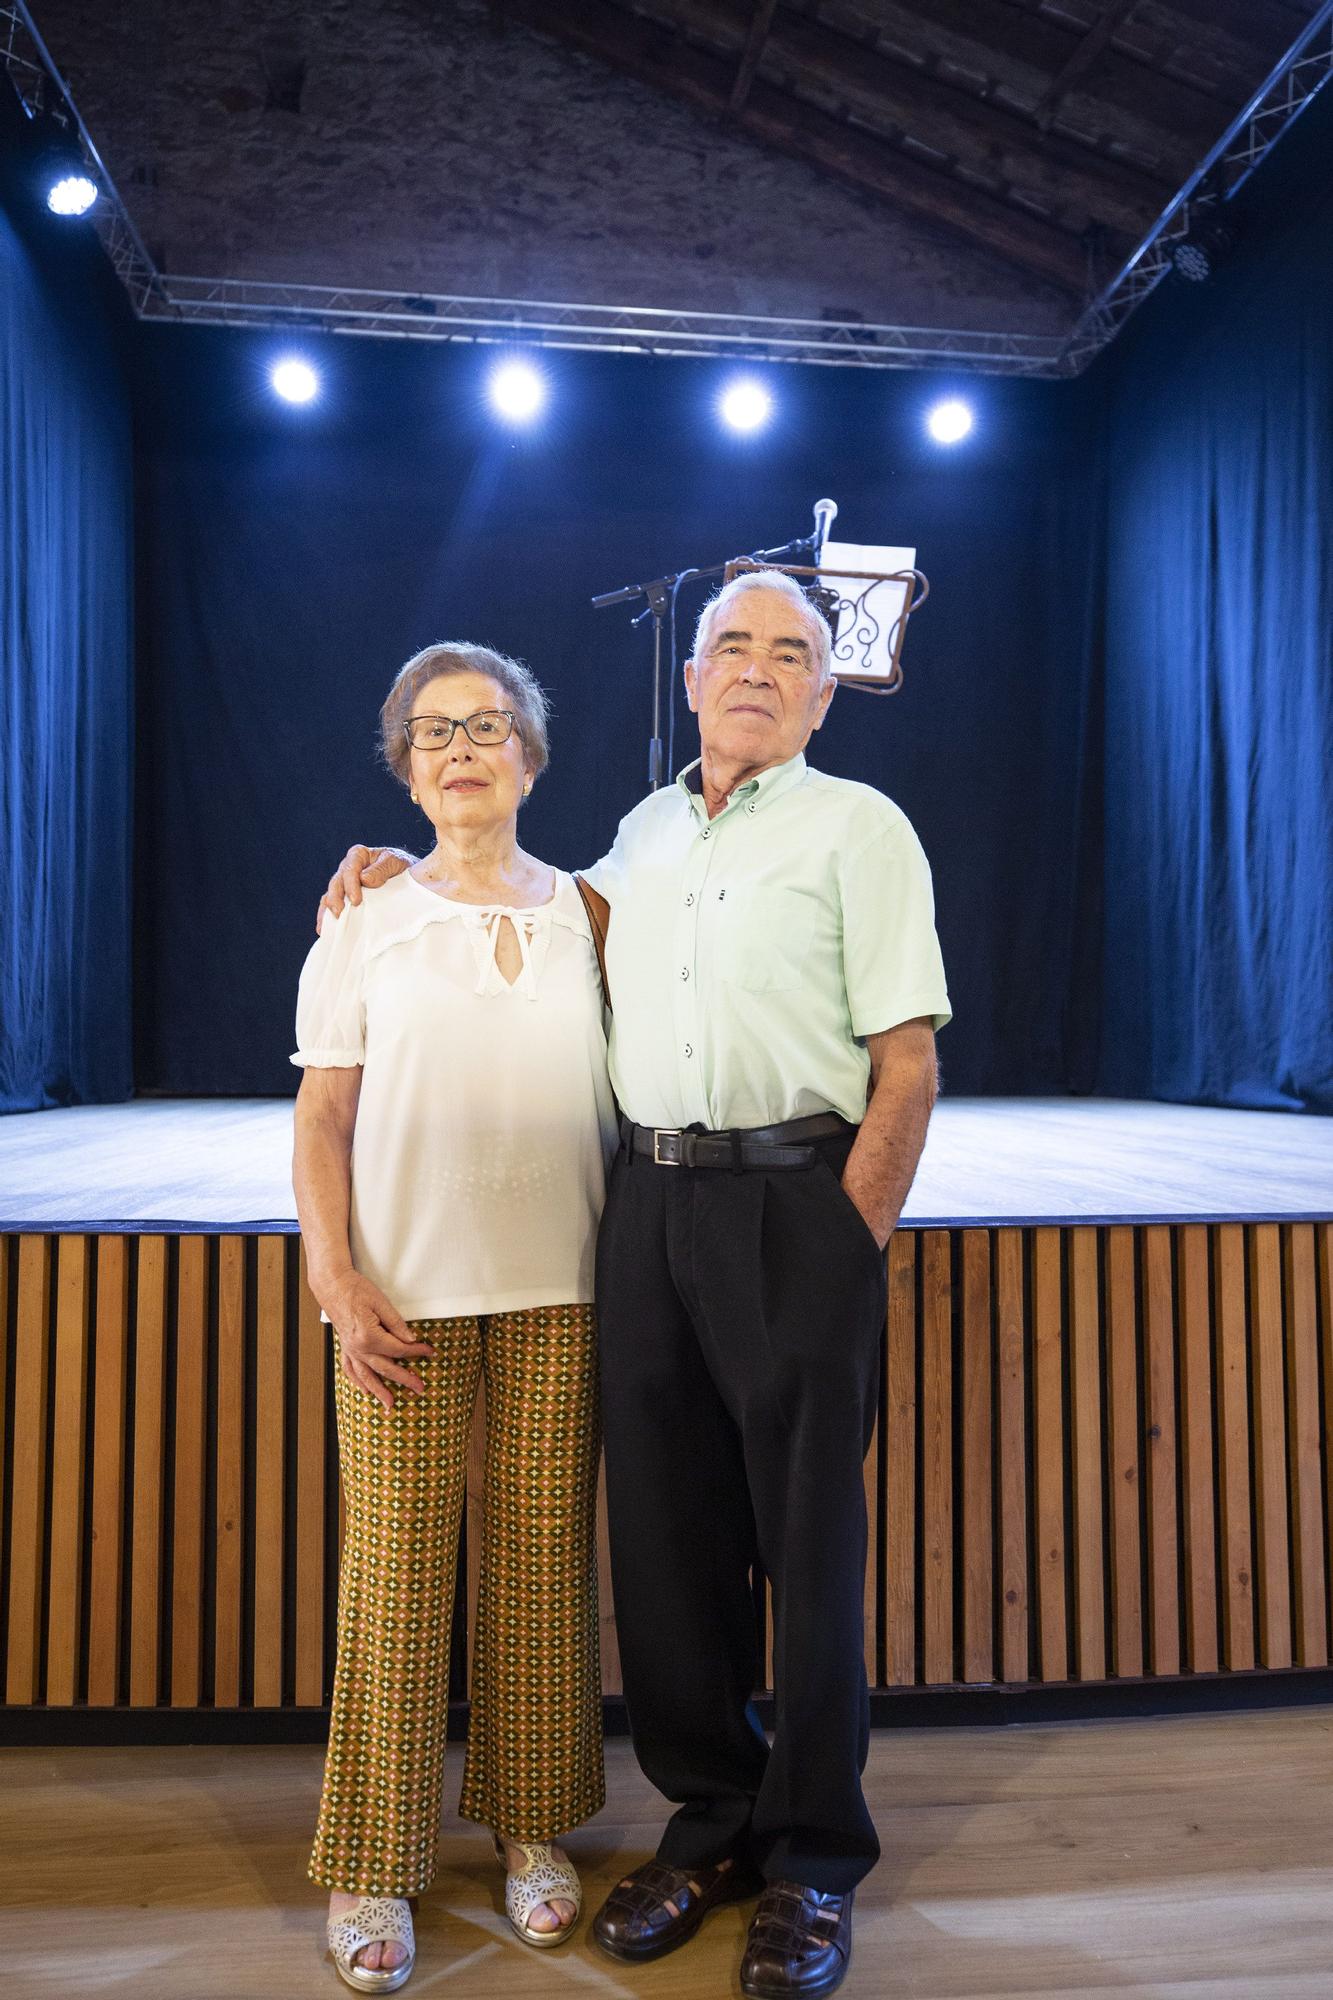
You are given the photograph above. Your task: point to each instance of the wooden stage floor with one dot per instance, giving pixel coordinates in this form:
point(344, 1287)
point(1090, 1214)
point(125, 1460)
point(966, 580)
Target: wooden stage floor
point(1182, 1858)
point(224, 1164)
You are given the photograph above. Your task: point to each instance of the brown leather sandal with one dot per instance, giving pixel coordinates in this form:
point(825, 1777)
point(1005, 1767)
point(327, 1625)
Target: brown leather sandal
point(800, 1943)
point(658, 1907)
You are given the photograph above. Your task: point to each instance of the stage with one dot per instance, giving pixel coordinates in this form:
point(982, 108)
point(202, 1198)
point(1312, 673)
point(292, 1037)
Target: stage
point(223, 1165)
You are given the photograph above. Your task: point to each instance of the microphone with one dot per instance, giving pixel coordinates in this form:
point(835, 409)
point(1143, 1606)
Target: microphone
point(826, 512)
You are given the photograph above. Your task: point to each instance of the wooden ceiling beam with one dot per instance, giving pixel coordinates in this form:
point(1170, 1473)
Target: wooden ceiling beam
point(1115, 13)
point(761, 20)
point(655, 56)
point(1073, 184)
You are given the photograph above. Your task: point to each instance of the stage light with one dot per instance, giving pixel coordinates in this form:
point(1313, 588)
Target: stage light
point(294, 380)
point(1198, 255)
point(745, 405)
point(71, 194)
point(517, 391)
point(950, 421)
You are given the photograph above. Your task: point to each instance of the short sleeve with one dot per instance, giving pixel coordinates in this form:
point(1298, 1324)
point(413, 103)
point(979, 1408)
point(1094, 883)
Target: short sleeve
point(330, 1014)
point(891, 955)
point(604, 875)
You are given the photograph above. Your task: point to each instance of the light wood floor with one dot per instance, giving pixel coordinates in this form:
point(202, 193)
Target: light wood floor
point(1182, 1859)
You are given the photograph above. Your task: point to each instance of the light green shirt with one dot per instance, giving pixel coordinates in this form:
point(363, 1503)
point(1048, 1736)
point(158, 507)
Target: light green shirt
point(750, 955)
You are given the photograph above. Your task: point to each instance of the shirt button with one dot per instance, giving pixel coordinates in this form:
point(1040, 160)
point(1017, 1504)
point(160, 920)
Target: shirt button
point(750, 808)
point(689, 899)
point(684, 971)
point(689, 1049)
point(705, 833)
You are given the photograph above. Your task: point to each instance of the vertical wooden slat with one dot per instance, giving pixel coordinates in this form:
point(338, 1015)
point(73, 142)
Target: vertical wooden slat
point(1303, 1455)
point(874, 1537)
point(1086, 1398)
point(1323, 1257)
point(5, 1242)
point(1269, 1423)
point(312, 1363)
point(612, 1681)
point(110, 1355)
point(900, 1466)
point(936, 1527)
point(1160, 1457)
point(150, 1362)
point(230, 1476)
point(1123, 1372)
point(1236, 1551)
point(27, 1510)
point(187, 1495)
point(1196, 1450)
point(976, 1471)
point(1012, 1420)
point(65, 1594)
point(270, 1376)
point(1049, 1444)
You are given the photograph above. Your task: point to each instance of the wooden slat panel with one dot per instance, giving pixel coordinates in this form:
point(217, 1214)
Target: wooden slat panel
point(977, 1467)
point(1160, 1457)
point(1086, 1396)
point(27, 1510)
point(150, 1358)
point(936, 1526)
point(188, 1480)
point(5, 1243)
point(900, 1466)
point(1236, 1548)
point(1308, 1554)
point(1049, 1444)
point(874, 1538)
point(270, 1372)
point(1122, 1339)
point(106, 1579)
point(1012, 1423)
point(1269, 1420)
point(229, 1541)
point(65, 1594)
point(311, 1377)
point(1324, 1289)
point(1196, 1451)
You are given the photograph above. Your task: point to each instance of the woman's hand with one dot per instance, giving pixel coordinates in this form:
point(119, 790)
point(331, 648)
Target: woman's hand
point(369, 867)
point(375, 1338)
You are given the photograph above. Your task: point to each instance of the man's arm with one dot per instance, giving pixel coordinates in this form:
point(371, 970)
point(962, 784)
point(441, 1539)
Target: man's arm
point(360, 867)
point(883, 1161)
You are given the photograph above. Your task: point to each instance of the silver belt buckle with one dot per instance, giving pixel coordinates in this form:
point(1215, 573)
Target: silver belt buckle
point(658, 1137)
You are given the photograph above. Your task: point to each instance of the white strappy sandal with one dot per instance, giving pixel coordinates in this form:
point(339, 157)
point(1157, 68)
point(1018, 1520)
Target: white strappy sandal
point(543, 1880)
point(374, 1920)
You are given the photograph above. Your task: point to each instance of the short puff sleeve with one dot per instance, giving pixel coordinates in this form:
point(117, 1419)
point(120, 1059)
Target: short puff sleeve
point(330, 1010)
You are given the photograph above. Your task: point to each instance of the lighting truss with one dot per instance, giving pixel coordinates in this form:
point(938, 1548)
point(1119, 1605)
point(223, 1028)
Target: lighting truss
point(439, 316)
point(1251, 135)
point(26, 61)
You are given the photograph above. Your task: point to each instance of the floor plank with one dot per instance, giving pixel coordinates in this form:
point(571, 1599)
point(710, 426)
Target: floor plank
point(1170, 1858)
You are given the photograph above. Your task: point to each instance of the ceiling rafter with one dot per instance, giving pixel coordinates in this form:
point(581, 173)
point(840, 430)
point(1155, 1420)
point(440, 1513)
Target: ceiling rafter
point(761, 20)
point(1084, 58)
point(1073, 184)
point(657, 57)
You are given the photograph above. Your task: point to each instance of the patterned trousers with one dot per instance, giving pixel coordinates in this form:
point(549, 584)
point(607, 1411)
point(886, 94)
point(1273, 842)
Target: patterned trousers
point(534, 1753)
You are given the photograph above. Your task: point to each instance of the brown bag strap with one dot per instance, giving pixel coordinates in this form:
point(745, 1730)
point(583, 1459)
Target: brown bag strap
point(599, 916)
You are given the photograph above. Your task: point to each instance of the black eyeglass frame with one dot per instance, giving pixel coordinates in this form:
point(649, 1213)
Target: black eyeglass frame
point(457, 722)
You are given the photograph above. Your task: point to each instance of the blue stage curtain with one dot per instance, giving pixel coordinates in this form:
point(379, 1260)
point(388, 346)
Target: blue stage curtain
point(66, 573)
point(1218, 983)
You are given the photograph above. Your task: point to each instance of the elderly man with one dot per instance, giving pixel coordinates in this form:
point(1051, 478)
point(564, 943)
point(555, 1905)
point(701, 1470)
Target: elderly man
point(777, 982)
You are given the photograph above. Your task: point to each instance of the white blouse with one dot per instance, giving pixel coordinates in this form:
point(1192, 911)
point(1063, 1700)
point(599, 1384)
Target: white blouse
point(485, 1121)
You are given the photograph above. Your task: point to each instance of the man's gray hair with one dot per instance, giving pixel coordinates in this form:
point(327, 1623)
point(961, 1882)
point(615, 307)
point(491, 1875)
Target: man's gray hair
point(523, 694)
point(786, 586)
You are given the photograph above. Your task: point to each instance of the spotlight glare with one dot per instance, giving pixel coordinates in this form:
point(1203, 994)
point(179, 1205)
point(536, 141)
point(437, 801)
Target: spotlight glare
point(950, 421)
point(745, 405)
point(294, 380)
point(72, 194)
point(516, 391)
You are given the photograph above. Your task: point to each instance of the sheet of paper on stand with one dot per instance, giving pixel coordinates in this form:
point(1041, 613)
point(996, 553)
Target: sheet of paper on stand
point(870, 609)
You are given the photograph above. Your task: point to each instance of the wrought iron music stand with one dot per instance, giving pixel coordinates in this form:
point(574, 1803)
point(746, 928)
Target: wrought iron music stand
point(864, 626)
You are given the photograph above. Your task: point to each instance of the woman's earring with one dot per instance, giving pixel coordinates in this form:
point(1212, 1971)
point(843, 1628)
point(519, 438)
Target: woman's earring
point(415, 800)
point(527, 786)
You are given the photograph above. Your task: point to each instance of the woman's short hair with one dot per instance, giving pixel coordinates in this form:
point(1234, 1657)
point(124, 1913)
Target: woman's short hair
point(786, 586)
point(523, 694)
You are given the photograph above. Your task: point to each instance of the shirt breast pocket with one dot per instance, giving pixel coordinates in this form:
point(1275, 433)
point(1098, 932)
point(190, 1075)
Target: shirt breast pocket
point(766, 936)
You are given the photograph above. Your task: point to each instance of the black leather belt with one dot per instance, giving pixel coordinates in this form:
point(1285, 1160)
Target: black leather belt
point(787, 1145)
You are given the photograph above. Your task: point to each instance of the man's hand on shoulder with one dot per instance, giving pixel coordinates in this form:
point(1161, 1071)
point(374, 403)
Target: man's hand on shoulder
point(360, 868)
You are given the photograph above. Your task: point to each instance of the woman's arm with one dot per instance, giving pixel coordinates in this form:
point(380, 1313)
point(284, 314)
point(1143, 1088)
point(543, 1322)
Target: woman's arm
point(374, 1337)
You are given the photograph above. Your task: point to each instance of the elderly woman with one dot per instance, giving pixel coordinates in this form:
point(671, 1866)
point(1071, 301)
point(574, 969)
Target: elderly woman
point(452, 1131)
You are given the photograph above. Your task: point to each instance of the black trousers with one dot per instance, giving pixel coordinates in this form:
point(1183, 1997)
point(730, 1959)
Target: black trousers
point(741, 1317)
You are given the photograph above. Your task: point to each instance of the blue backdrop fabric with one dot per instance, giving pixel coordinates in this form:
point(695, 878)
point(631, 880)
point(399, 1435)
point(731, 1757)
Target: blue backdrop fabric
point(66, 570)
point(1218, 622)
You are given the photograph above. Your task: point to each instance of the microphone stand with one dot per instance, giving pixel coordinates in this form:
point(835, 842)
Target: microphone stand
point(660, 595)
